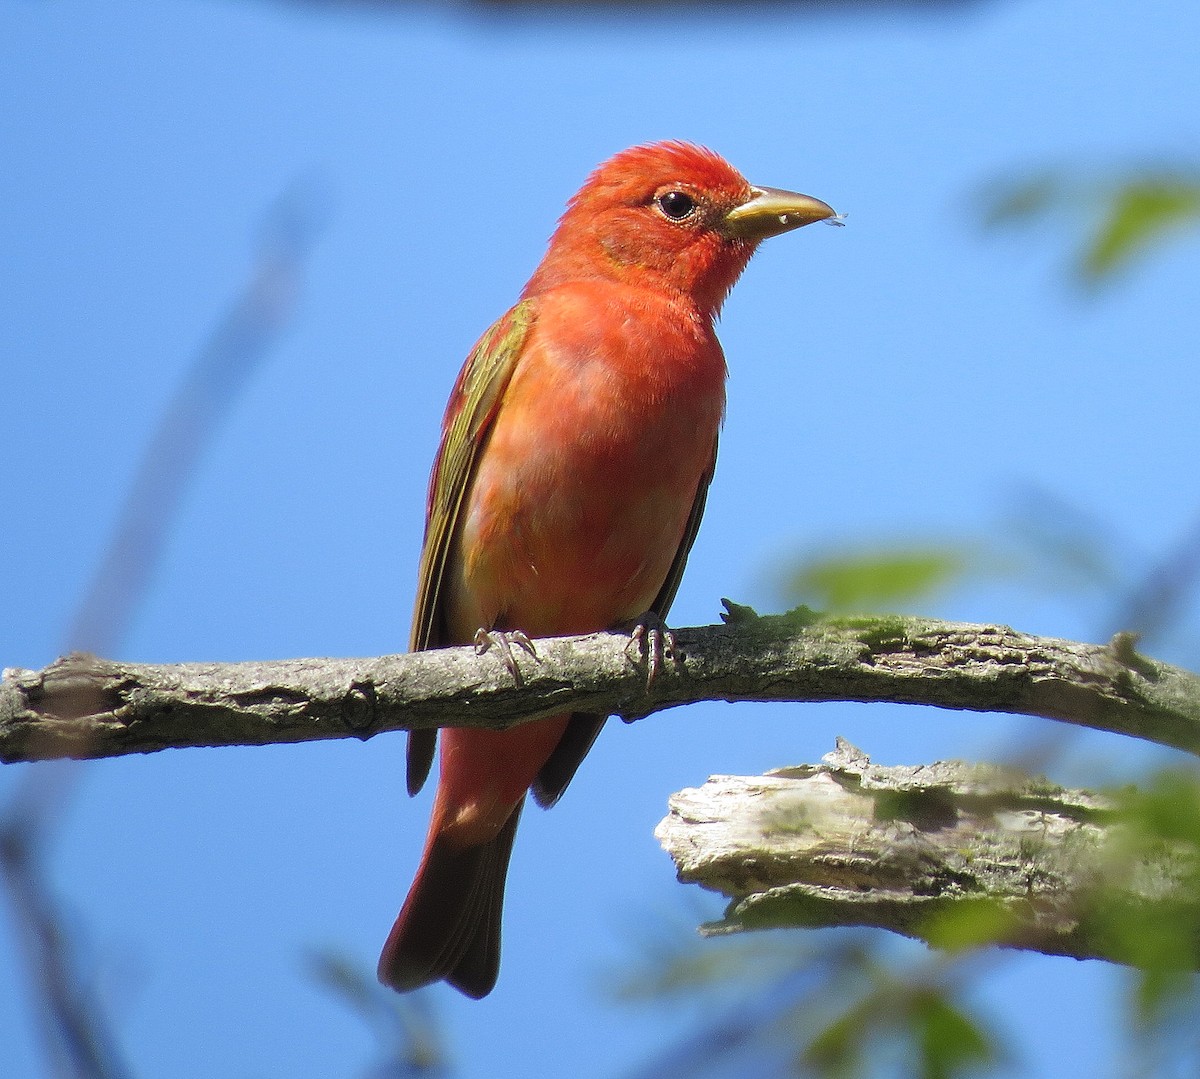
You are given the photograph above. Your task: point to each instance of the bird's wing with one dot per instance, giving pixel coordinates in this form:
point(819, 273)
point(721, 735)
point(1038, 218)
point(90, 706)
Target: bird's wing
point(584, 727)
point(666, 594)
point(469, 415)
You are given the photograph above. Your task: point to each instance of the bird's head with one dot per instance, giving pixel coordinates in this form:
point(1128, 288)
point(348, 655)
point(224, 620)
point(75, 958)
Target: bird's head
point(670, 215)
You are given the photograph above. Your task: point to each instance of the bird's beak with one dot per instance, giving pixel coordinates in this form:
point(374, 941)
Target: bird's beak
point(769, 212)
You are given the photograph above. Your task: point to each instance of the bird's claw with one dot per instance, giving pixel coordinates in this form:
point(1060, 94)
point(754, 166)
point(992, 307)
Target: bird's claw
point(652, 643)
point(504, 640)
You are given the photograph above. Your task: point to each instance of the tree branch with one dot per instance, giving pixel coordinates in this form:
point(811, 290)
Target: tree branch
point(952, 854)
point(81, 706)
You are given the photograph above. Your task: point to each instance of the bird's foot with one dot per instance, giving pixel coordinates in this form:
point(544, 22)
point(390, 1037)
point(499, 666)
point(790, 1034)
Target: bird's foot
point(504, 641)
point(650, 642)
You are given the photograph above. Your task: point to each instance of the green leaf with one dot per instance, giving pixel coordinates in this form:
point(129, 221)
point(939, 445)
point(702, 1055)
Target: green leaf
point(1160, 829)
point(1136, 216)
point(877, 579)
point(838, 1050)
point(949, 1042)
point(1124, 214)
point(969, 923)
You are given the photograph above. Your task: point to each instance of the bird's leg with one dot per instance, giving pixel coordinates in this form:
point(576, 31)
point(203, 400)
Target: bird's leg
point(504, 640)
point(652, 642)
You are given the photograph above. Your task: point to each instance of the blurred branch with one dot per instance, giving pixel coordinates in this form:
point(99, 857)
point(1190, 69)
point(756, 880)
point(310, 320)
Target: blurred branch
point(76, 1037)
point(88, 707)
point(952, 854)
point(217, 375)
point(74, 1027)
point(624, 8)
point(411, 1042)
point(1157, 601)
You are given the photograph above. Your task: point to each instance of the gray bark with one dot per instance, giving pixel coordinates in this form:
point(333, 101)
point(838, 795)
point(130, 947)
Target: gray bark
point(951, 853)
point(845, 843)
point(82, 706)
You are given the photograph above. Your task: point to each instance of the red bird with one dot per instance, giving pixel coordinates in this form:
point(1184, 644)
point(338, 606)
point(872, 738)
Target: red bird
point(576, 453)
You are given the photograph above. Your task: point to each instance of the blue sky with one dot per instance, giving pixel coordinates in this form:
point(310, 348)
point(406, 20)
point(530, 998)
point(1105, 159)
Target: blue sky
point(901, 377)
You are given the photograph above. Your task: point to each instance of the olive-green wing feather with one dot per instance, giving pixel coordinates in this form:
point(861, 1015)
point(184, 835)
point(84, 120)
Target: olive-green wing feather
point(469, 415)
point(584, 727)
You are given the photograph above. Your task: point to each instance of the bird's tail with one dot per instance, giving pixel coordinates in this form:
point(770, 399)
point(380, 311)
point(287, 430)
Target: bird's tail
point(449, 926)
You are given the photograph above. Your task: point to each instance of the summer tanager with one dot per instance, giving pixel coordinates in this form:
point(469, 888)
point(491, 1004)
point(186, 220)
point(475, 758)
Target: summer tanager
point(576, 453)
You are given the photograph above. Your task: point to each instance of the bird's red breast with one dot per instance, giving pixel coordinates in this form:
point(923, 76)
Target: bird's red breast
point(579, 504)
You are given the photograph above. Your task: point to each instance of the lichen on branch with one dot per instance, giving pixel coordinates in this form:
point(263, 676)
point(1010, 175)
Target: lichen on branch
point(83, 706)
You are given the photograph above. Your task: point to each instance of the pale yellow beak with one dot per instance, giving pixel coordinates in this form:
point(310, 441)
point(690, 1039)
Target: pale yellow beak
point(770, 211)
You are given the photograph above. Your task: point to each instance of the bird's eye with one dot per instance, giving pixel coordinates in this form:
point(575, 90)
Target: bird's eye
point(676, 204)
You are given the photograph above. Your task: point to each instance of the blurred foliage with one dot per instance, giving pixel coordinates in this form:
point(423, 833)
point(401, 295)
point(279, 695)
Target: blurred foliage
point(1043, 545)
point(1125, 215)
point(934, 1036)
point(406, 1029)
point(833, 1004)
point(881, 579)
point(845, 1004)
point(1161, 941)
point(669, 967)
point(842, 1005)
